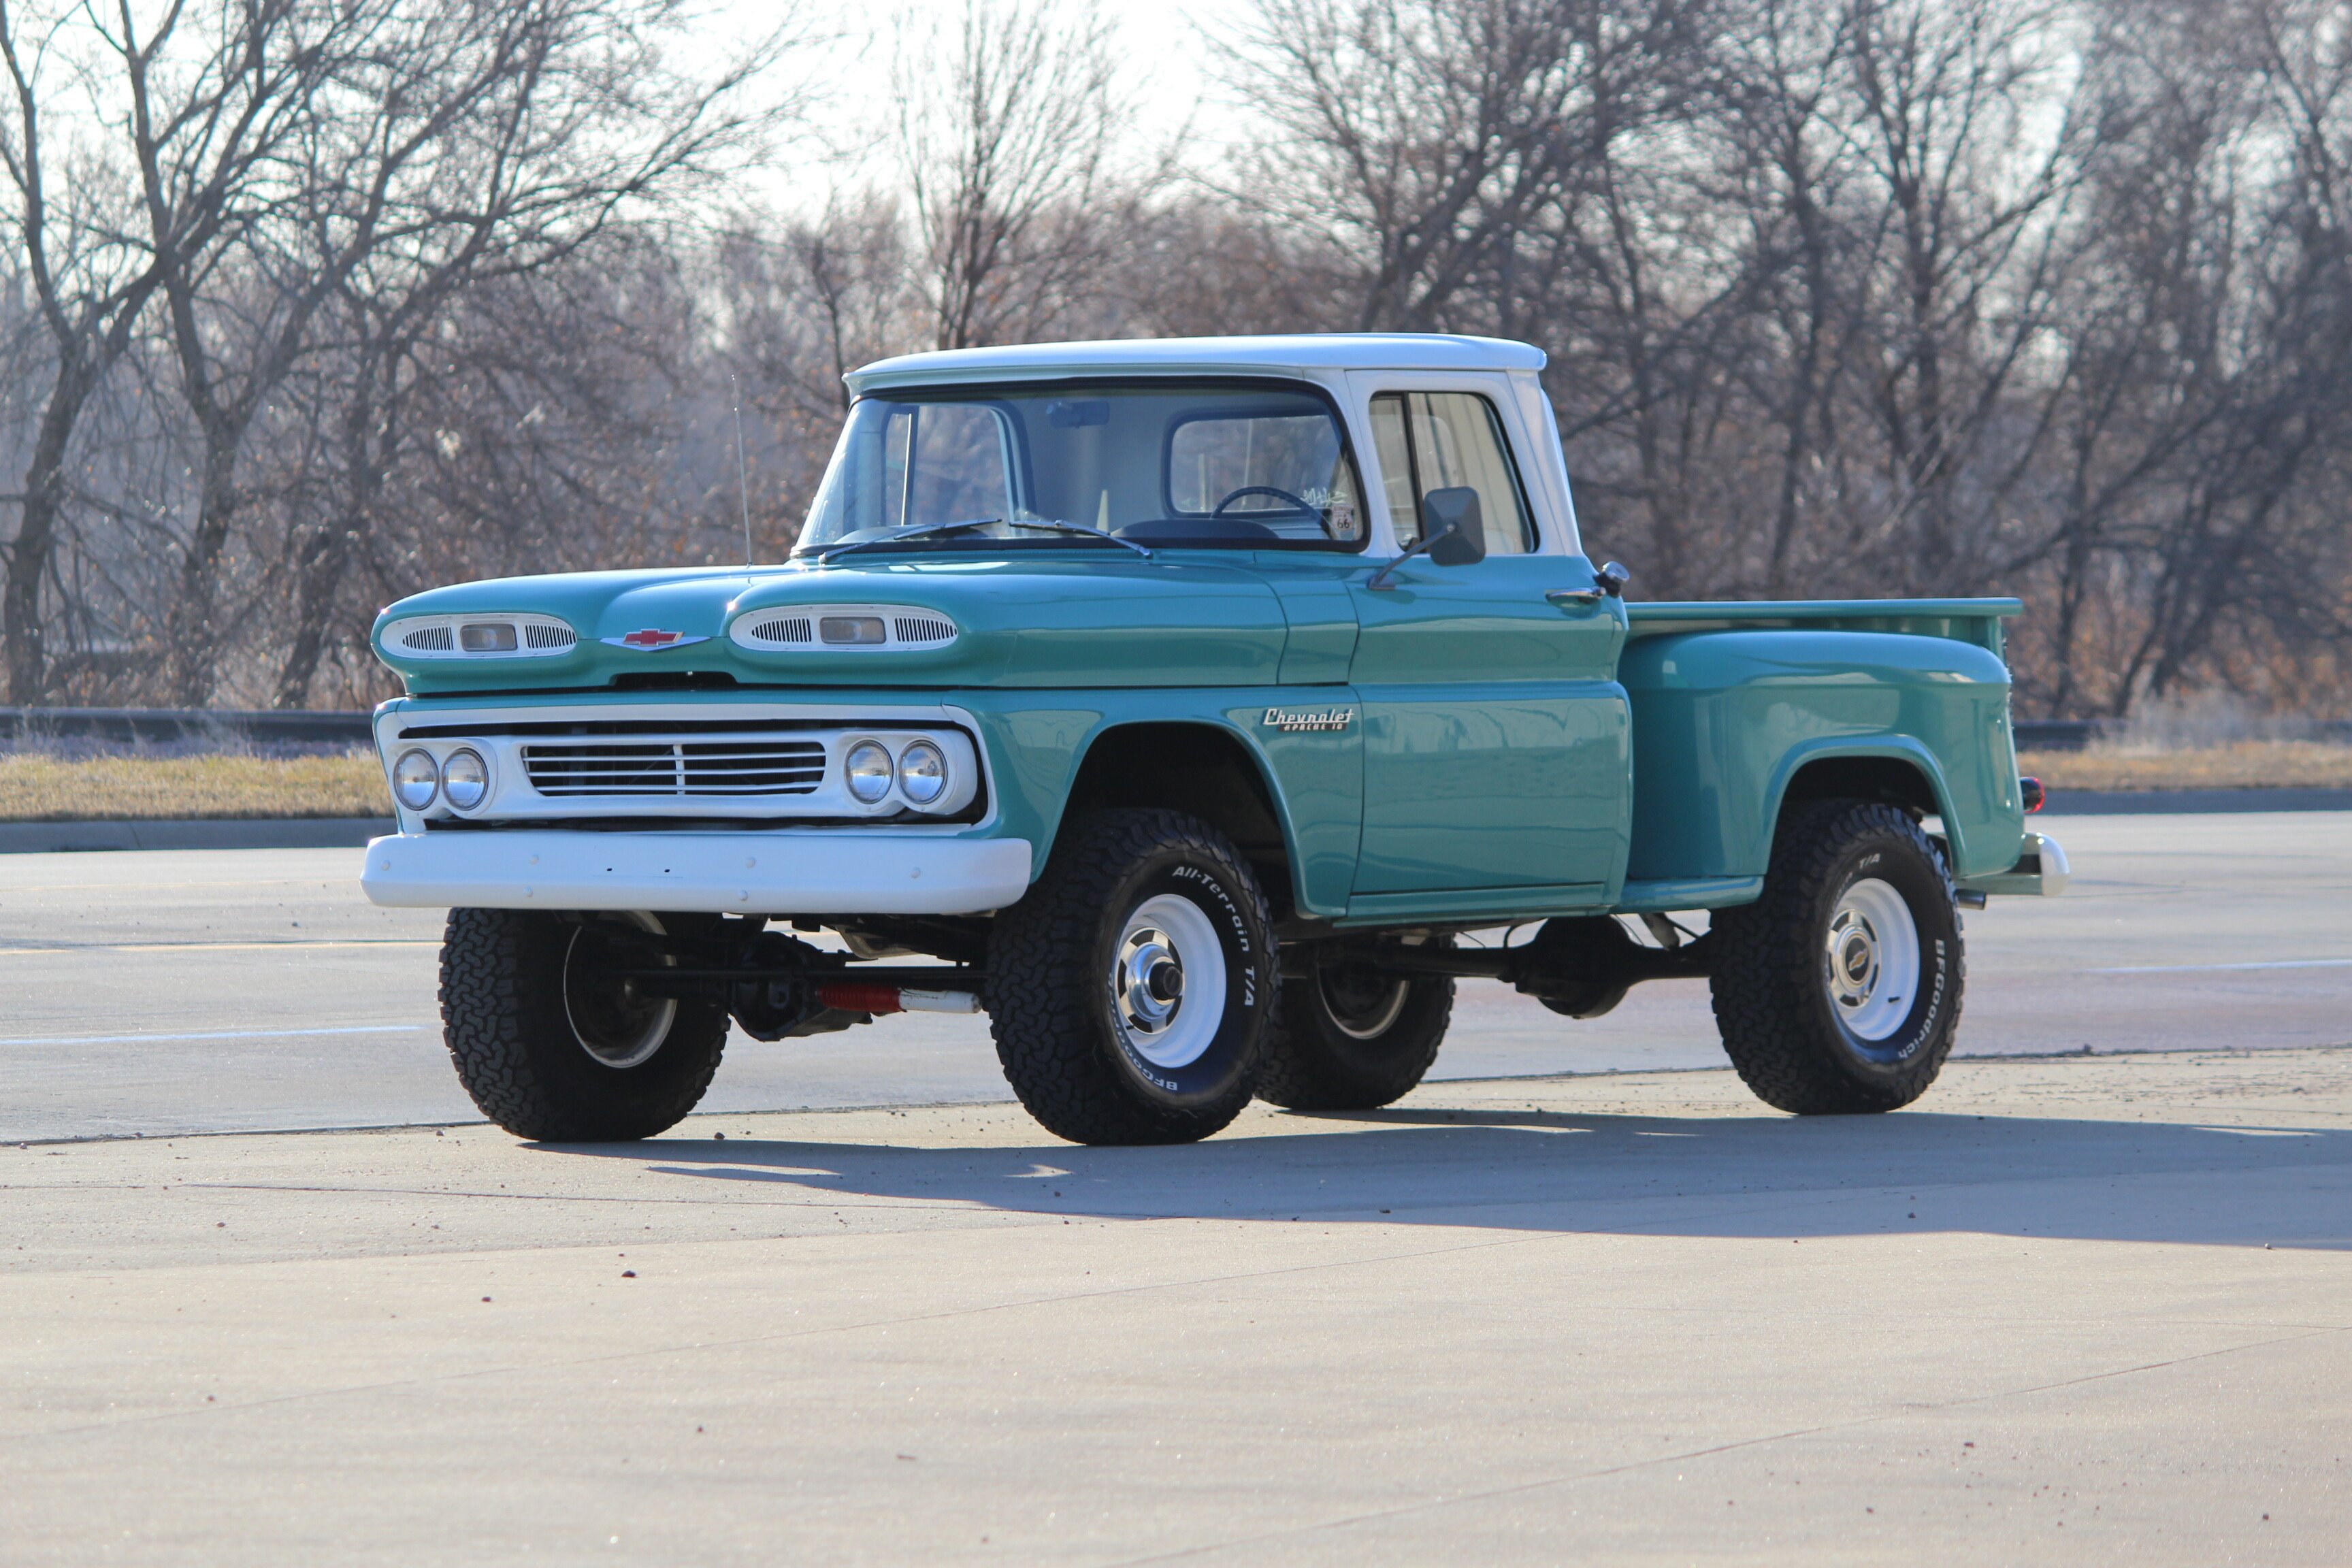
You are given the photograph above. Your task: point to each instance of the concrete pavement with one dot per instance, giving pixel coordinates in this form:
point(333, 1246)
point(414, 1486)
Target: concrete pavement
point(2095, 1309)
point(177, 992)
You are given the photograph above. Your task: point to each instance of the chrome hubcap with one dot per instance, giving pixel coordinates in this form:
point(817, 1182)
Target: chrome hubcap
point(1150, 980)
point(1167, 982)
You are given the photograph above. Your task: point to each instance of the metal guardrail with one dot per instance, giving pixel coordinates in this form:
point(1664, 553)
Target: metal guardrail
point(178, 724)
point(2055, 734)
point(2074, 734)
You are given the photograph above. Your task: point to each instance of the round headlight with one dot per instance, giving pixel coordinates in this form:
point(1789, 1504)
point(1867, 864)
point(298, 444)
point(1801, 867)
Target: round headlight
point(922, 772)
point(465, 779)
point(415, 780)
point(867, 770)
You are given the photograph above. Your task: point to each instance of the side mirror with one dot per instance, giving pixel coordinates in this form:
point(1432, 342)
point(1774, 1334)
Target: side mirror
point(1452, 534)
point(1451, 522)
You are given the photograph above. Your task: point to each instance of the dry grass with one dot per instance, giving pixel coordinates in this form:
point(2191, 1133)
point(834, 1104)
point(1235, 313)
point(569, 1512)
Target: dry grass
point(2247, 764)
point(36, 788)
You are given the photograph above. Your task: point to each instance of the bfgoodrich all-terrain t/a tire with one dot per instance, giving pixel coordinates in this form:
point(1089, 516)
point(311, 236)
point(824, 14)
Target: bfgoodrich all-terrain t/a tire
point(1351, 1037)
point(1129, 989)
point(553, 1047)
point(1839, 990)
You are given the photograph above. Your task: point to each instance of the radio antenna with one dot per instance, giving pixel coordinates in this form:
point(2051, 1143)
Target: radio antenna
point(742, 483)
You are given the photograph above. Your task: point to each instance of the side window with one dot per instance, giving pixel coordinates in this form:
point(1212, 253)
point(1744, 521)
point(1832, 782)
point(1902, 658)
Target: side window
point(1435, 441)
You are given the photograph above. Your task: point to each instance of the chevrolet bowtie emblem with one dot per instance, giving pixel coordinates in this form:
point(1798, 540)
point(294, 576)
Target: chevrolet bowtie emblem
point(650, 638)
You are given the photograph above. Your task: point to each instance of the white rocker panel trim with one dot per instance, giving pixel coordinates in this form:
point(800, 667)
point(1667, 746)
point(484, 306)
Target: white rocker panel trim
point(861, 871)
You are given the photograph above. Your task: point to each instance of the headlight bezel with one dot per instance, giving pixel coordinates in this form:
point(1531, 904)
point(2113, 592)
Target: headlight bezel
point(432, 779)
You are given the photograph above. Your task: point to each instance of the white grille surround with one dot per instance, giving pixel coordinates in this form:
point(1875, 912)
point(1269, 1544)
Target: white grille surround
point(843, 628)
point(613, 763)
point(496, 636)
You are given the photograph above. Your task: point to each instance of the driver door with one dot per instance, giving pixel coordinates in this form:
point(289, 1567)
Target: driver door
point(1495, 735)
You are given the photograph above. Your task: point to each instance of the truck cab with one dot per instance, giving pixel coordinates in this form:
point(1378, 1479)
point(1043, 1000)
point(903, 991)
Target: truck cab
point(1179, 704)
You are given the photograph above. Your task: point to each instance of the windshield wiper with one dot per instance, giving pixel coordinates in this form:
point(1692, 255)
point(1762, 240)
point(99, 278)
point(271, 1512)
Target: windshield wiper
point(920, 530)
point(1058, 526)
point(936, 529)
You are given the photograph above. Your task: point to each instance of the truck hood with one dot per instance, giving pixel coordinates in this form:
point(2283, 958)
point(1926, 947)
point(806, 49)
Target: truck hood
point(1018, 620)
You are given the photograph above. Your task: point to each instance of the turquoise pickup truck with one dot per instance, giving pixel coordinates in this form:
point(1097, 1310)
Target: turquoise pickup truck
point(1183, 706)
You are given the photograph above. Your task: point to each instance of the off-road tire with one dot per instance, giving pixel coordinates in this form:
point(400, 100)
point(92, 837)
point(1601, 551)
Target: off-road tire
point(511, 1038)
point(1313, 1060)
point(1770, 971)
point(1051, 1005)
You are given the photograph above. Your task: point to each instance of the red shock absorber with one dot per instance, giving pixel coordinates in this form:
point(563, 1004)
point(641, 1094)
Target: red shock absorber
point(860, 996)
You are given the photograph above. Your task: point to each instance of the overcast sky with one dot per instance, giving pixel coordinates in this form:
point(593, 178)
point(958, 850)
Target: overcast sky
point(1167, 64)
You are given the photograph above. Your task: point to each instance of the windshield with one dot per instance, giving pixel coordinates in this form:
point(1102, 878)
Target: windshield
point(1234, 463)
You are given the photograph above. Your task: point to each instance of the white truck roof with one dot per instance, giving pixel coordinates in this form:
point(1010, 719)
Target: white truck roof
point(1298, 354)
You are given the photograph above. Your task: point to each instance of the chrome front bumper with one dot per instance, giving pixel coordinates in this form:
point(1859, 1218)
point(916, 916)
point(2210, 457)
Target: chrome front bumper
point(2041, 870)
point(859, 871)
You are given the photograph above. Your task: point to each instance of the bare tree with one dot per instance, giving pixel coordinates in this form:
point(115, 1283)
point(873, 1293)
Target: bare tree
point(210, 96)
point(547, 123)
point(1009, 124)
point(1428, 136)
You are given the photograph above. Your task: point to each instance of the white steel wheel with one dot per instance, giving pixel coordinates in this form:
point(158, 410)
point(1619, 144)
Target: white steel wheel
point(614, 1021)
point(1870, 959)
point(1167, 982)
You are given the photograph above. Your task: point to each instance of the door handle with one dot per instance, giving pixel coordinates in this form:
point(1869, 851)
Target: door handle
point(1576, 598)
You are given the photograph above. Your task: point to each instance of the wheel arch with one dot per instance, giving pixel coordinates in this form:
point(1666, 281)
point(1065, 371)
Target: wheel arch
point(1894, 770)
point(1204, 769)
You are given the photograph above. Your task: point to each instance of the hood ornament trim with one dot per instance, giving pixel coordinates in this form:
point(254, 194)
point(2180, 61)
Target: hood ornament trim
point(652, 639)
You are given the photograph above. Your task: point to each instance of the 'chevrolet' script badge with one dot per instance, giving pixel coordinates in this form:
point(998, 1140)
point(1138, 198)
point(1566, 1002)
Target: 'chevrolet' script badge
point(650, 639)
point(1296, 720)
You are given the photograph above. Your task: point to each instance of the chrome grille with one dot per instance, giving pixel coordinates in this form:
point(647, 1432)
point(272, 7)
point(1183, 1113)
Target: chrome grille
point(431, 639)
point(539, 634)
point(748, 766)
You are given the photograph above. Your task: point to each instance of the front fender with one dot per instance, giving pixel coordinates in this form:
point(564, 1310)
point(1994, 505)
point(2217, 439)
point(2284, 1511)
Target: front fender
point(1313, 779)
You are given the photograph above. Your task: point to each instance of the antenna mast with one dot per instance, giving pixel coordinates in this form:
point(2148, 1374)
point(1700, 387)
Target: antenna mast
point(742, 484)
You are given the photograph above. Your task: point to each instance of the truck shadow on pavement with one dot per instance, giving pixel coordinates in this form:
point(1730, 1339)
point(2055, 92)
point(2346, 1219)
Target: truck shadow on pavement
point(1731, 1176)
